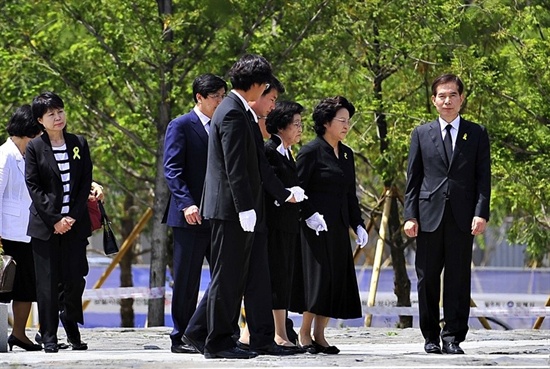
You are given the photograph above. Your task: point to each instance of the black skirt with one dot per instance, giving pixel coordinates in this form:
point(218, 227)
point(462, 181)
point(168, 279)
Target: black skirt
point(330, 284)
point(24, 285)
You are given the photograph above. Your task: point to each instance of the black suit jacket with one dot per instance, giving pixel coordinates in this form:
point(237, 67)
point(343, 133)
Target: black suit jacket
point(329, 183)
point(185, 158)
point(281, 215)
point(232, 183)
point(45, 187)
point(466, 182)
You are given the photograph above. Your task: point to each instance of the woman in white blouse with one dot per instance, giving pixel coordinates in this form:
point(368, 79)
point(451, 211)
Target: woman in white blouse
point(14, 218)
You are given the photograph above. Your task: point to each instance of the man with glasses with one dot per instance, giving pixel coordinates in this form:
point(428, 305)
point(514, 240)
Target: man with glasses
point(185, 158)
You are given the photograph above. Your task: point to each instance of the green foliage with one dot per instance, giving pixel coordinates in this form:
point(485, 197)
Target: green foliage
point(125, 69)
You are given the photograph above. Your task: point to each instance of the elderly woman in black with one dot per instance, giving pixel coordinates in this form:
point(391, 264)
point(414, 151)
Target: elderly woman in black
point(326, 172)
point(58, 174)
point(284, 123)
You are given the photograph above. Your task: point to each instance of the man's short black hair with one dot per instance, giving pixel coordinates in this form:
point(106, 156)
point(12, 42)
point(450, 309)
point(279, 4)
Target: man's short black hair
point(275, 84)
point(248, 70)
point(447, 78)
point(206, 84)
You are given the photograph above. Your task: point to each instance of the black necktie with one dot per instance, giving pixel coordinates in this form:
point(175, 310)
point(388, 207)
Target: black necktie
point(448, 143)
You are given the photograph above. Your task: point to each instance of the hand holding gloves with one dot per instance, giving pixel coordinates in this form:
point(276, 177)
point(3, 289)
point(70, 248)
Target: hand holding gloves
point(298, 193)
point(317, 223)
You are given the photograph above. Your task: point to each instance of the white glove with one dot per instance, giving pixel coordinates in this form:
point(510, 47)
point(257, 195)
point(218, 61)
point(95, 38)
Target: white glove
point(317, 223)
point(298, 193)
point(362, 236)
point(248, 220)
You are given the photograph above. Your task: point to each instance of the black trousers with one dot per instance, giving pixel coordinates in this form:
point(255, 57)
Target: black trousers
point(190, 248)
point(60, 266)
point(450, 248)
point(220, 306)
point(257, 295)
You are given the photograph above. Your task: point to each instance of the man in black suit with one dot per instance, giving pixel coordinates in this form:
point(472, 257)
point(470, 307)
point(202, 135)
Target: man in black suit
point(446, 205)
point(260, 331)
point(232, 197)
point(185, 158)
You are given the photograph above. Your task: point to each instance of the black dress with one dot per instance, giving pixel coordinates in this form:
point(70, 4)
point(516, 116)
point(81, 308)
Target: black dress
point(329, 272)
point(283, 227)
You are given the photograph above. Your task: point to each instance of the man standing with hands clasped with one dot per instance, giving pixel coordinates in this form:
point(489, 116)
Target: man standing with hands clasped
point(446, 205)
point(185, 158)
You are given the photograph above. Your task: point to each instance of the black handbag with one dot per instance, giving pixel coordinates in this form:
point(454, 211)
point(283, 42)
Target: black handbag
point(110, 246)
point(7, 273)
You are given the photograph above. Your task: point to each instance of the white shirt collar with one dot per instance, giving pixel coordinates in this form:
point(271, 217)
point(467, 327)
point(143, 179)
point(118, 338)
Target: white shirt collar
point(281, 148)
point(245, 103)
point(203, 118)
point(455, 123)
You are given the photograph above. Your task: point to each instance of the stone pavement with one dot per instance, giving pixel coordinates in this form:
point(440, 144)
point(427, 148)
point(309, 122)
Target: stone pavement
point(360, 347)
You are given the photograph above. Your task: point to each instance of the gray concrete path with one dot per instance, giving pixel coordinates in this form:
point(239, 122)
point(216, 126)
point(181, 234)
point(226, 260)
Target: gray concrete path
point(360, 347)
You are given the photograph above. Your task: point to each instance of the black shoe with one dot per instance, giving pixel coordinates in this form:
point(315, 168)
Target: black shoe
point(14, 341)
point(60, 346)
point(183, 348)
point(329, 350)
point(231, 353)
point(198, 345)
point(79, 346)
point(242, 346)
point(452, 348)
point(73, 334)
point(432, 347)
point(309, 349)
point(50, 348)
point(273, 349)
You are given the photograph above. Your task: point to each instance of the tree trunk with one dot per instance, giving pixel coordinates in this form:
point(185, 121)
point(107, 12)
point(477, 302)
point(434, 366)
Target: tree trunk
point(127, 305)
point(401, 281)
point(159, 239)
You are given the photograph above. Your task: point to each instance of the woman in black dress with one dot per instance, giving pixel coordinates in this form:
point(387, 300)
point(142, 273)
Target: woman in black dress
point(284, 123)
point(327, 174)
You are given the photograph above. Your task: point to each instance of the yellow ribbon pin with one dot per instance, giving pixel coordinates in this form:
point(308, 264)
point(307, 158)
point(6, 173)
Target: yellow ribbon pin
point(345, 155)
point(76, 152)
point(465, 137)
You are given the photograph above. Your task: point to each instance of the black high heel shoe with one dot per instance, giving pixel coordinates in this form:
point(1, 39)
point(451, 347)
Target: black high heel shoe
point(14, 341)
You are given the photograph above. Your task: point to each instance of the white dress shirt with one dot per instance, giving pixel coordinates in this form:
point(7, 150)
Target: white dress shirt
point(454, 131)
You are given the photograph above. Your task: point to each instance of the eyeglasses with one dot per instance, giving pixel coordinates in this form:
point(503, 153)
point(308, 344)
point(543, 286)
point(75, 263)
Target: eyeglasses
point(267, 85)
point(298, 124)
point(343, 120)
point(216, 96)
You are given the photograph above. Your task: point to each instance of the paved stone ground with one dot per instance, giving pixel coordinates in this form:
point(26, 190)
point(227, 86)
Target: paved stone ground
point(360, 347)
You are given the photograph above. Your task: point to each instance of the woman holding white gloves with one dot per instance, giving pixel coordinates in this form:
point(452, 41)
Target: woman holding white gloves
point(326, 172)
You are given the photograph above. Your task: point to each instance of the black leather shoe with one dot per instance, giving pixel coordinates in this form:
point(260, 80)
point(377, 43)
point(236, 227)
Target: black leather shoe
point(78, 345)
point(274, 349)
point(183, 348)
point(60, 346)
point(330, 350)
point(50, 348)
point(452, 348)
point(198, 345)
point(309, 349)
point(242, 346)
point(231, 353)
point(432, 347)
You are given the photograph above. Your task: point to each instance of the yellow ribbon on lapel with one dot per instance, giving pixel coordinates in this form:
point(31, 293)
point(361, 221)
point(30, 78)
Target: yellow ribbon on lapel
point(345, 155)
point(76, 153)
